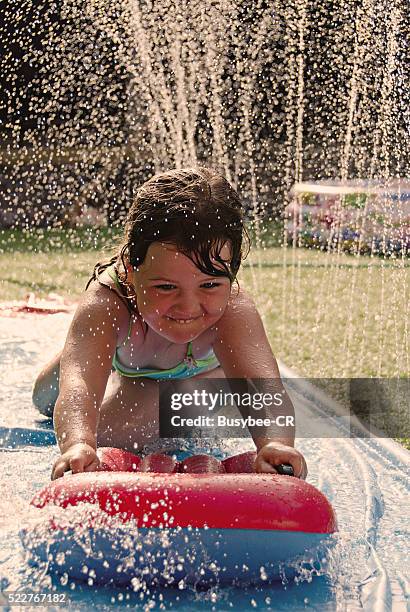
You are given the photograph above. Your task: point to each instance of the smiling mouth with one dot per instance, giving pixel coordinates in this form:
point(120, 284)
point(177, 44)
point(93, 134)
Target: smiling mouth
point(183, 321)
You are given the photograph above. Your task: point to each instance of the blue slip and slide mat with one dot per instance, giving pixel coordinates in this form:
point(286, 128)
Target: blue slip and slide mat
point(20, 437)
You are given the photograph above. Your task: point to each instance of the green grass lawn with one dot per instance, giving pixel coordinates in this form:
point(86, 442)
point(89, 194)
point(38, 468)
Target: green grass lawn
point(330, 316)
point(52, 261)
point(326, 316)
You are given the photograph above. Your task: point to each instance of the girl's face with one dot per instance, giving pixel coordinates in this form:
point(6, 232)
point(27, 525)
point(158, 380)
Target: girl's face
point(174, 297)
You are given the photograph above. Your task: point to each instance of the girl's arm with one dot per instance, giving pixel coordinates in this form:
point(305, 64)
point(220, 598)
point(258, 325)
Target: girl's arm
point(84, 370)
point(244, 352)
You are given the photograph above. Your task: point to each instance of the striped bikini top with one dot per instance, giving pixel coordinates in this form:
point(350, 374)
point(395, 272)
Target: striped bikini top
point(187, 368)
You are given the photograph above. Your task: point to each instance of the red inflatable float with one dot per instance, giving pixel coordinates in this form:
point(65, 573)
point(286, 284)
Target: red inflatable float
point(221, 520)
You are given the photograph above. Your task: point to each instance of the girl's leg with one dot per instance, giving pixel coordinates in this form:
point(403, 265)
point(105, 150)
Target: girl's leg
point(46, 387)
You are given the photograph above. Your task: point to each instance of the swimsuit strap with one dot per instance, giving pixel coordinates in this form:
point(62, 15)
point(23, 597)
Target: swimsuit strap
point(128, 334)
point(113, 274)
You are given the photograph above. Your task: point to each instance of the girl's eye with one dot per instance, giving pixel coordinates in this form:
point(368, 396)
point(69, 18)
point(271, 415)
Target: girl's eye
point(165, 287)
point(170, 287)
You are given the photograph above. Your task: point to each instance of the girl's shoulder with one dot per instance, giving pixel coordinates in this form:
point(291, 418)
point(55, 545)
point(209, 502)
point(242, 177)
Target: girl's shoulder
point(239, 303)
point(104, 303)
point(240, 311)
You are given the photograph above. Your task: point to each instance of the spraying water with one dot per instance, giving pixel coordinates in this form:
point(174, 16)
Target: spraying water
point(272, 97)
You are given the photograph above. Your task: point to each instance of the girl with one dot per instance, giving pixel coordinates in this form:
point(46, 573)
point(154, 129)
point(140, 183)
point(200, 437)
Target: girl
point(163, 307)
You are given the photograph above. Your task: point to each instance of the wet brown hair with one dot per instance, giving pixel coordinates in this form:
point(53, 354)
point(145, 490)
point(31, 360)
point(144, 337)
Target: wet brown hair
point(195, 209)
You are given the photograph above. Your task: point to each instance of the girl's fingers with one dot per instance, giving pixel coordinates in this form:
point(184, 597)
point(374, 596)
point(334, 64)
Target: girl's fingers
point(81, 461)
point(294, 462)
point(77, 464)
point(299, 466)
point(93, 466)
point(59, 468)
point(304, 471)
point(268, 462)
point(77, 460)
point(265, 467)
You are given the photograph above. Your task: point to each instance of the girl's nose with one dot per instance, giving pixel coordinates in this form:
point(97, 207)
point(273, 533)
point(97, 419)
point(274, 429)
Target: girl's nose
point(187, 306)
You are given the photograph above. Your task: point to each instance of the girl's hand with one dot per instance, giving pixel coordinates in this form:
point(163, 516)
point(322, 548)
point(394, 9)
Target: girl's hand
point(78, 458)
point(275, 453)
